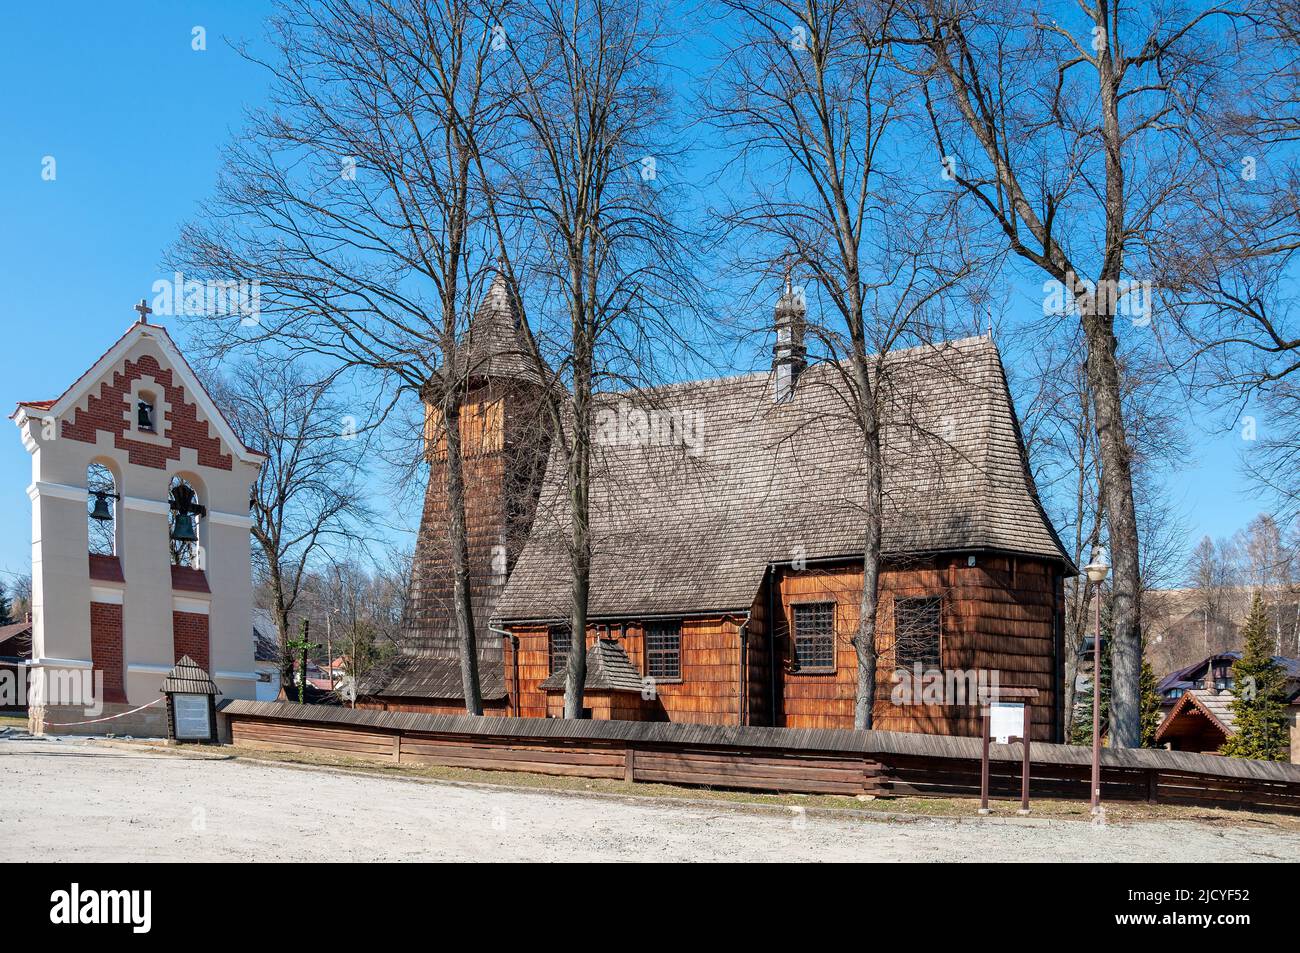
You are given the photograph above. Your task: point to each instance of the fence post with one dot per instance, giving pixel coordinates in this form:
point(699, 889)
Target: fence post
point(1024, 770)
point(984, 764)
point(629, 764)
point(1153, 786)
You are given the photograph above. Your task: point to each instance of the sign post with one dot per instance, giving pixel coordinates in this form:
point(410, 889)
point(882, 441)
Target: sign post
point(1006, 715)
point(191, 703)
point(984, 763)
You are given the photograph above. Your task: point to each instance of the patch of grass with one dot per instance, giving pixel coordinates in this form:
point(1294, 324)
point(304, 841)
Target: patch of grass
point(8, 720)
point(892, 807)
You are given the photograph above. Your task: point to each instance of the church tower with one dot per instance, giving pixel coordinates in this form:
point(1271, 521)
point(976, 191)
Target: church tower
point(504, 448)
point(140, 540)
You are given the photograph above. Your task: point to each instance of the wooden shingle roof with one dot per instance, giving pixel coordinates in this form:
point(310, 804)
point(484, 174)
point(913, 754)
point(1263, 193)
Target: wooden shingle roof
point(16, 642)
point(435, 673)
point(494, 344)
point(1216, 706)
point(188, 678)
point(690, 525)
point(608, 670)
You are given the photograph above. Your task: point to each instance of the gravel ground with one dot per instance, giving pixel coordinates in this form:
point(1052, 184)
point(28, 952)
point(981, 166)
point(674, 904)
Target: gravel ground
point(86, 801)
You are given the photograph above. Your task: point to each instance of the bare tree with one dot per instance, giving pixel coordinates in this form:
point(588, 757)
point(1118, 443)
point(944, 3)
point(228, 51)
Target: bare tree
point(22, 593)
point(308, 494)
point(1082, 135)
point(584, 185)
point(1211, 571)
point(1267, 567)
point(353, 203)
point(354, 607)
point(1062, 442)
point(809, 88)
point(1273, 115)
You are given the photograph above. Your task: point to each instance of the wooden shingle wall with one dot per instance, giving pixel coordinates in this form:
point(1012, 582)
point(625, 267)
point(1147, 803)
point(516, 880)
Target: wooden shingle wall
point(997, 616)
point(503, 456)
point(707, 693)
point(998, 624)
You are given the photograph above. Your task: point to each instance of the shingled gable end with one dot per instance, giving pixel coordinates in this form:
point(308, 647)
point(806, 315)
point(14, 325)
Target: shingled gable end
point(726, 549)
point(117, 621)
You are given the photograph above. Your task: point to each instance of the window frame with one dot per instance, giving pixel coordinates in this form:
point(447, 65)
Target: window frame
point(805, 604)
point(551, 630)
point(938, 640)
point(648, 653)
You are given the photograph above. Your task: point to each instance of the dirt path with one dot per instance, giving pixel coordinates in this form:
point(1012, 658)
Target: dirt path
point(90, 802)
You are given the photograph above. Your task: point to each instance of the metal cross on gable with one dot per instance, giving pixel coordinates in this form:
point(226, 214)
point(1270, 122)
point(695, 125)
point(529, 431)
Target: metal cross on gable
point(144, 310)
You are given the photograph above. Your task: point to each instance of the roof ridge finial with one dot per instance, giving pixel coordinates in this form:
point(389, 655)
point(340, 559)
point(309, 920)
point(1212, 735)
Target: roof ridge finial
point(789, 288)
point(144, 309)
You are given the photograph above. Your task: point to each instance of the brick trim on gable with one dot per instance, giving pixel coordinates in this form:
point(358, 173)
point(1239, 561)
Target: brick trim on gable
point(108, 410)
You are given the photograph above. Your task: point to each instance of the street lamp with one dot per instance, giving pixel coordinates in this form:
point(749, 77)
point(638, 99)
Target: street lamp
point(1097, 571)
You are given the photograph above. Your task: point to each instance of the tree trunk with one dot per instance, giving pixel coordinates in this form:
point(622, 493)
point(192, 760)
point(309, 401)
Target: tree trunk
point(1104, 380)
point(575, 678)
point(462, 606)
point(1117, 493)
point(865, 642)
point(282, 629)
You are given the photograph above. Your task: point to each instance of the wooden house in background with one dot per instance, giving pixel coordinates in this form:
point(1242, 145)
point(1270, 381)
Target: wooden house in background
point(15, 656)
point(727, 532)
point(1196, 704)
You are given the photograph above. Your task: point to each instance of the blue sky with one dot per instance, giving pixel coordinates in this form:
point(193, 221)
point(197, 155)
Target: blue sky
point(134, 118)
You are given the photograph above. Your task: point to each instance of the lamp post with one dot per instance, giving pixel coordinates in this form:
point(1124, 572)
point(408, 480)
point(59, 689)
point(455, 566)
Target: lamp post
point(1097, 571)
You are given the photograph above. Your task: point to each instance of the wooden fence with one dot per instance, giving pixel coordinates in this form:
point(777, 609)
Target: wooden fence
point(802, 761)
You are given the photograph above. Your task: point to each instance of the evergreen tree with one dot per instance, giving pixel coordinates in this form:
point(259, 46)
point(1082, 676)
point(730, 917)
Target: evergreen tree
point(1149, 705)
point(6, 608)
point(1081, 733)
point(1259, 687)
point(304, 645)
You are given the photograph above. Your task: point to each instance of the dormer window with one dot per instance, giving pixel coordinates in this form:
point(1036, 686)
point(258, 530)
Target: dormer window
point(145, 413)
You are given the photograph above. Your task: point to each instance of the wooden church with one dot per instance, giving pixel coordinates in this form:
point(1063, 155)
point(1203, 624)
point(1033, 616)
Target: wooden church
point(727, 570)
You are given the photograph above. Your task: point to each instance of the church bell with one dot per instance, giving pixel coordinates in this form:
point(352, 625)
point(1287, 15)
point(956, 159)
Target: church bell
point(101, 511)
point(183, 530)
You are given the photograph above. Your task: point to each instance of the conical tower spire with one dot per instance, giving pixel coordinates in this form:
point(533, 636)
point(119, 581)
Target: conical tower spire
point(494, 344)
